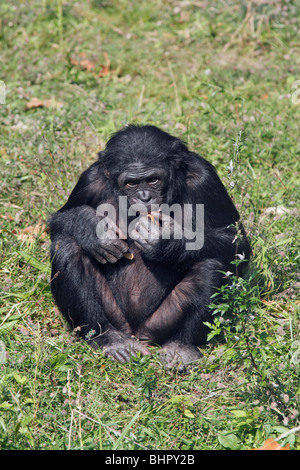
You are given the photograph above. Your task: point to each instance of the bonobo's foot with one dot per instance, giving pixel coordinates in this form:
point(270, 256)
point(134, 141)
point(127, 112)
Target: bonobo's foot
point(177, 355)
point(121, 351)
point(118, 346)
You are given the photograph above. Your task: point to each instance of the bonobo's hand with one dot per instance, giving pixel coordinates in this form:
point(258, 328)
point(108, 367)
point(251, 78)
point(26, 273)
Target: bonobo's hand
point(108, 246)
point(121, 349)
point(152, 230)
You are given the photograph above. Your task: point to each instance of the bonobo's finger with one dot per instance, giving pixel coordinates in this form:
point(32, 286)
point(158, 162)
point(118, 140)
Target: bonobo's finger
point(115, 247)
point(120, 233)
point(170, 227)
point(155, 217)
point(117, 231)
point(99, 258)
point(165, 220)
point(152, 231)
point(144, 244)
point(116, 354)
point(143, 232)
point(122, 352)
point(179, 356)
point(162, 216)
point(121, 247)
point(123, 355)
point(147, 230)
point(112, 250)
point(141, 244)
point(112, 226)
point(108, 256)
point(149, 221)
point(143, 349)
point(134, 347)
point(159, 218)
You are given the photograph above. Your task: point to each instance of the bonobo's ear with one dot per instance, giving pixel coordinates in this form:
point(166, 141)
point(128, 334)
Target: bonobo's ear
point(180, 154)
point(101, 156)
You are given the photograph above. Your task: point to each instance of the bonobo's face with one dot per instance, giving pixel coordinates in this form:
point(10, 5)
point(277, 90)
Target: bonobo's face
point(143, 185)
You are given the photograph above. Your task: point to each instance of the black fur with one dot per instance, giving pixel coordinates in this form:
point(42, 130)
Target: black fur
point(161, 296)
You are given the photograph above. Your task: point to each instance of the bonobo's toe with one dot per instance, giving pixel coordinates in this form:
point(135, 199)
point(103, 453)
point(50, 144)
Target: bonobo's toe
point(179, 356)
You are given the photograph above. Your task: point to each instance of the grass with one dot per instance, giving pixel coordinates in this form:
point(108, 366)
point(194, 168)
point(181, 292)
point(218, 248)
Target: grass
point(218, 75)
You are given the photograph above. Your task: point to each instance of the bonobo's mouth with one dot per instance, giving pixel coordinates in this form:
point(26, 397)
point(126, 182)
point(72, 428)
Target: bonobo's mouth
point(152, 205)
point(147, 207)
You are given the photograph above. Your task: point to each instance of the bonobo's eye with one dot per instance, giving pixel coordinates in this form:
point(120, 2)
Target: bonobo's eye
point(153, 181)
point(131, 184)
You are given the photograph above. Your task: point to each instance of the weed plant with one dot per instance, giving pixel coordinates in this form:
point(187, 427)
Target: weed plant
point(221, 76)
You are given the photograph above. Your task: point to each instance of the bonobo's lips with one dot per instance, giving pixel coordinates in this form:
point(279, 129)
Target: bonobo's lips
point(148, 204)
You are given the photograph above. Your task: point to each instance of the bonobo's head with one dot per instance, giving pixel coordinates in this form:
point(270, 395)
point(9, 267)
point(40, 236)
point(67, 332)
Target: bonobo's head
point(145, 164)
point(143, 185)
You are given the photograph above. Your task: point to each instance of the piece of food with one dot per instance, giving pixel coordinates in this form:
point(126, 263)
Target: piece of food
point(129, 255)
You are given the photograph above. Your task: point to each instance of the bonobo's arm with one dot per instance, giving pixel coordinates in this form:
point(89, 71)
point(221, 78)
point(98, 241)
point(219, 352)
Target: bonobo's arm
point(78, 219)
point(221, 243)
point(155, 236)
point(80, 223)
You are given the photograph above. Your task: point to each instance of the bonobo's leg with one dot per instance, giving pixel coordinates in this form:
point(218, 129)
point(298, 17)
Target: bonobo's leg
point(178, 323)
point(86, 301)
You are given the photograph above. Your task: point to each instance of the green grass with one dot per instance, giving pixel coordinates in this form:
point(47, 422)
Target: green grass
point(220, 77)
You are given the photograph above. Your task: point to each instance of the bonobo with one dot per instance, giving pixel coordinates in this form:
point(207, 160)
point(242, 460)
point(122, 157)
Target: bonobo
point(141, 245)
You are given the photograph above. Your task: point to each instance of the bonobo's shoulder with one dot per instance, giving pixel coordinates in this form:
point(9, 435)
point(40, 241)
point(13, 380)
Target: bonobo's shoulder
point(199, 168)
point(95, 173)
point(92, 172)
point(198, 161)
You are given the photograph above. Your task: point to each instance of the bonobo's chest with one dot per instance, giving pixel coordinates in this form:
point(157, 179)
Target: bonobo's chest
point(138, 286)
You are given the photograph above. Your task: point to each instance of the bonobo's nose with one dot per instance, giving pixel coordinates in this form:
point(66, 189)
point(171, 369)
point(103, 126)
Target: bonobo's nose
point(144, 196)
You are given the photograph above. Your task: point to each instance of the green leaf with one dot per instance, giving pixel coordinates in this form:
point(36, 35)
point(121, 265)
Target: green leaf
point(239, 413)
point(189, 414)
point(21, 379)
point(5, 405)
point(2, 424)
point(119, 441)
point(229, 441)
point(8, 325)
point(61, 362)
point(34, 262)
